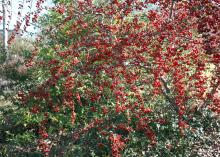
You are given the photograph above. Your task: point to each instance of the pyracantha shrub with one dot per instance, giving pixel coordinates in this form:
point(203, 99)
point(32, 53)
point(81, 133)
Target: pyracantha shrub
point(109, 73)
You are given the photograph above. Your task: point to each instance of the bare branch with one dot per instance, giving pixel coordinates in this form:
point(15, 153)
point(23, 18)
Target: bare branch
point(171, 9)
point(166, 93)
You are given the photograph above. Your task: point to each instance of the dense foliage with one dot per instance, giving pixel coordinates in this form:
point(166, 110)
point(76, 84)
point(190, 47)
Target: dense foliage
point(132, 78)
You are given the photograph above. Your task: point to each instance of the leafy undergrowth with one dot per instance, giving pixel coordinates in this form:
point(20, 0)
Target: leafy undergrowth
point(19, 133)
